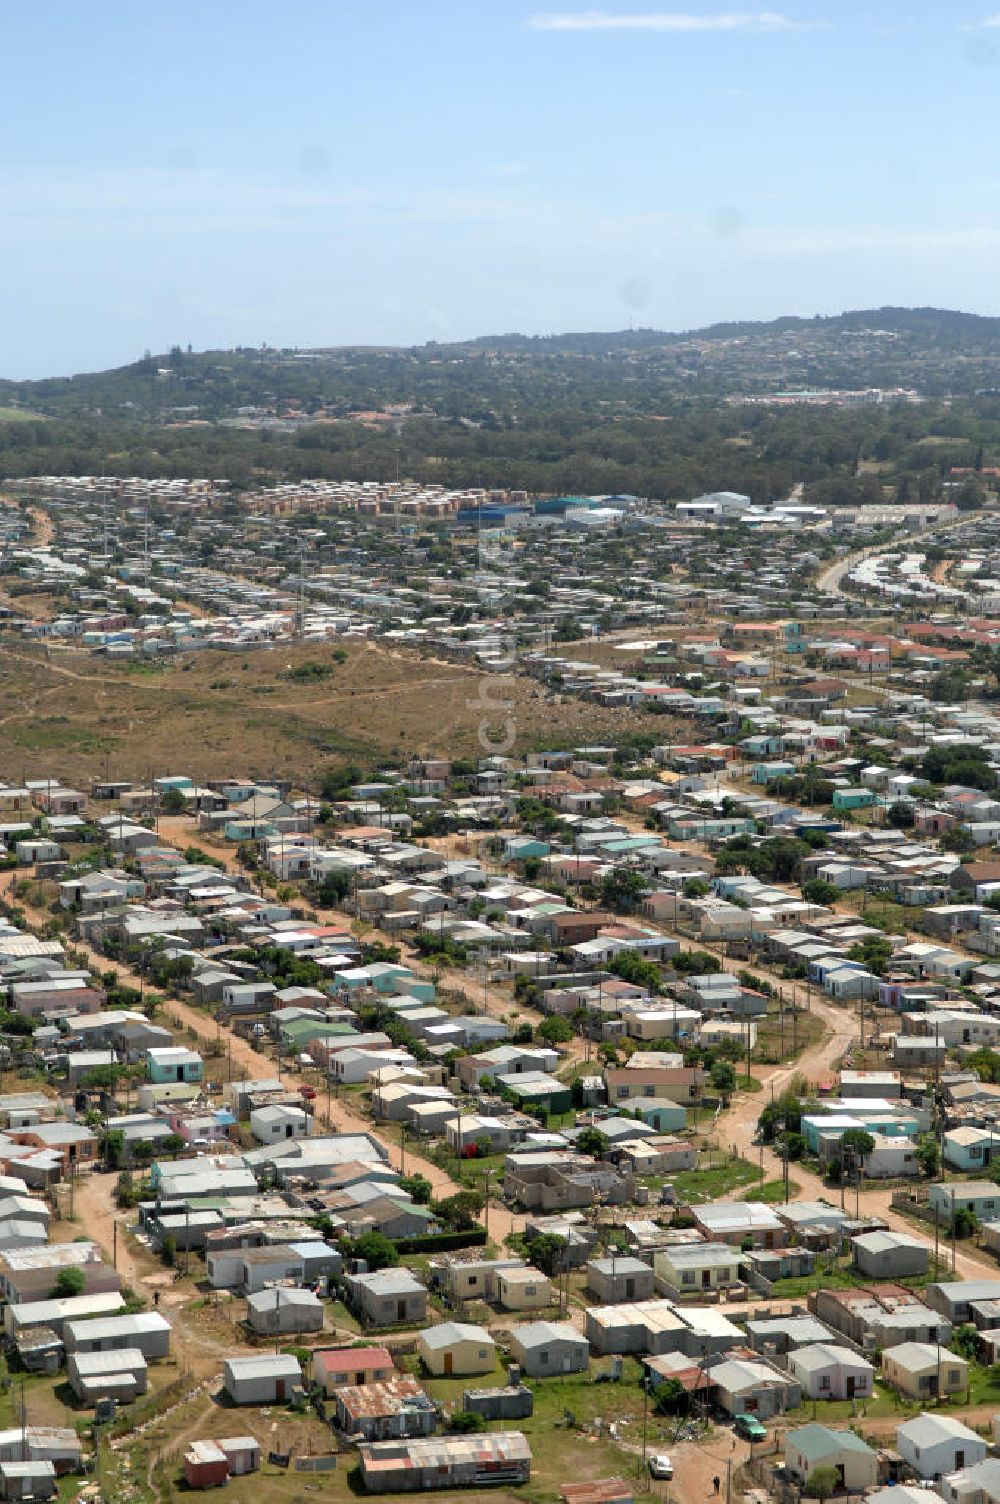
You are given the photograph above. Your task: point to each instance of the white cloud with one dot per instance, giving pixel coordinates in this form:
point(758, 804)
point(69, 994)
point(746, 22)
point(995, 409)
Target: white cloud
point(988, 23)
point(671, 22)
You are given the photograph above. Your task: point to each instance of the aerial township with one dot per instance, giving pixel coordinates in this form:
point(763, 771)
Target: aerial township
point(596, 1118)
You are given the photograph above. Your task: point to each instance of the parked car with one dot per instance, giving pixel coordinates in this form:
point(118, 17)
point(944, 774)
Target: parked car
point(660, 1466)
point(749, 1427)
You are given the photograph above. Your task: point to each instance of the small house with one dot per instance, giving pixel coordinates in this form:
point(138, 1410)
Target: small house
point(388, 1297)
point(34, 1479)
point(936, 1444)
point(455, 1462)
point(333, 1367)
point(694, 1268)
point(978, 1484)
point(618, 1279)
point(890, 1255)
point(119, 1375)
point(456, 1347)
point(280, 1312)
point(812, 1447)
point(829, 1371)
point(924, 1370)
point(379, 1412)
point(523, 1289)
point(205, 1465)
point(547, 1348)
point(264, 1379)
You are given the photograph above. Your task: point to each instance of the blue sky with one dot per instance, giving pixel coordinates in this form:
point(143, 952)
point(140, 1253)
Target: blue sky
point(335, 171)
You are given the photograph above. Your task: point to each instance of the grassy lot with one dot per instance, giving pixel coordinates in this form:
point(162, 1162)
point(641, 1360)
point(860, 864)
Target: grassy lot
point(882, 911)
point(773, 1191)
point(153, 1475)
point(561, 1451)
point(215, 710)
point(776, 1046)
point(837, 1274)
point(711, 1181)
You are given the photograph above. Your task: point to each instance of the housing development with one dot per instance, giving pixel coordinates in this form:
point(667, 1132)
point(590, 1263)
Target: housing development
point(499, 989)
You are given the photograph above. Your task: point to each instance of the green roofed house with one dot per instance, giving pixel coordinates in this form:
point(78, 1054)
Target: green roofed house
point(298, 1031)
point(538, 1089)
point(809, 1448)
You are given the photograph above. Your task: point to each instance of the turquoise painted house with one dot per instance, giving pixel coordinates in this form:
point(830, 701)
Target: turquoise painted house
point(763, 772)
point(383, 976)
point(970, 1149)
point(890, 1124)
point(519, 848)
point(174, 1063)
point(981, 1197)
point(853, 798)
point(761, 746)
point(665, 1117)
point(249, 830)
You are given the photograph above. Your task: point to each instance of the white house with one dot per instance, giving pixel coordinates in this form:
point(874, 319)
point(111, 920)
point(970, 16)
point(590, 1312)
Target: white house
point(937, 1444)
point(271, 1125)
point(827, 1371)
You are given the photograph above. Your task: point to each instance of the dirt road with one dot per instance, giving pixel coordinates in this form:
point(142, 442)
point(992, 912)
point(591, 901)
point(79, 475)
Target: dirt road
point(248, 1063)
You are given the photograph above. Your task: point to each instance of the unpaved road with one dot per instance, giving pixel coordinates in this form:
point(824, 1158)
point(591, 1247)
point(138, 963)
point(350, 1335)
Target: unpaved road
point(249, 1063)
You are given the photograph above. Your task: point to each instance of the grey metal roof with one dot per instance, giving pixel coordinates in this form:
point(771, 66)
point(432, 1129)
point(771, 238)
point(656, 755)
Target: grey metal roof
point(924, 1430)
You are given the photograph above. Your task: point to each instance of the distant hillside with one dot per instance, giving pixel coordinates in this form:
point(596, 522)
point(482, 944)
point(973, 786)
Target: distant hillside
point(936, 350)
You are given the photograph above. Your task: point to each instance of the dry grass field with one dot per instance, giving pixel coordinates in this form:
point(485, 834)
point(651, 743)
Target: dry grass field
point(216, 713)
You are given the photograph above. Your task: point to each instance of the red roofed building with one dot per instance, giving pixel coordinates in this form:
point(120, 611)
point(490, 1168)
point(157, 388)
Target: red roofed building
point(336, 1367)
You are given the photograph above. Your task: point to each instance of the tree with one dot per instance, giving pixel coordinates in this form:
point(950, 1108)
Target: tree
point(523, 1034)
point(621, 888)
point(466, 1421)
point(822, 1482)
point(965, 1341)
point(670, 1397)
point(723, 1078)
point(874, 953)
point(112, 1146)
point(853, 1148)
point(417, 1186)
point(928, 1157)
point(857, 1143)
point(459, 1212)
point(964, 1222)
point(555, 1030)
point(173, 802)
point(818, 890)
point(378, 1251)
point(546, 1252)
point(69, 1282)
point(631, 967)
point(592, 1141)
point(900, 815)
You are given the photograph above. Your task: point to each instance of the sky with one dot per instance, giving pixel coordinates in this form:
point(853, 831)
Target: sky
point(322, 172)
